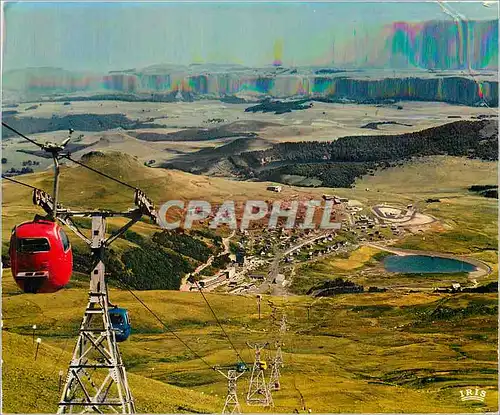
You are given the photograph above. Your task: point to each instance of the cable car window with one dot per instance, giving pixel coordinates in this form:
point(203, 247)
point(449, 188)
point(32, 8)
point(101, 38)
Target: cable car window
point(116, 319)
point(33, 245)
point(64, 239)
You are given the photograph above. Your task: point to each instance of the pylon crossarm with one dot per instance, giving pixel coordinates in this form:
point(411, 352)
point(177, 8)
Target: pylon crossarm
point(123, 229)
point(44, 200)
point(145, 205)
point(222, 373)
point(70, 224)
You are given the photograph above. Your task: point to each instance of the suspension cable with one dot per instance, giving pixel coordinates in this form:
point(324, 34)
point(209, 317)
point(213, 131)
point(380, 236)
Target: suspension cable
point(219, 323)
point(67, 156)
point(99, 172)
point(21, 134)
point(129, 289)
point(18, 182)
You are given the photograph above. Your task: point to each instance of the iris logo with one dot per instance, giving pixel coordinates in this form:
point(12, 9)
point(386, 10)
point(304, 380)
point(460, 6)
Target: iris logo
point(472, 395)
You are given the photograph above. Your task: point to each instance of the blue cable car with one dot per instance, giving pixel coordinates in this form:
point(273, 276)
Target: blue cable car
point(120, 322)
point(241, 367)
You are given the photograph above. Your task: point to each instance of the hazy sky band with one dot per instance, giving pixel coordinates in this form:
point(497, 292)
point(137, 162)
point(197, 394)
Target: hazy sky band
point(107, 36)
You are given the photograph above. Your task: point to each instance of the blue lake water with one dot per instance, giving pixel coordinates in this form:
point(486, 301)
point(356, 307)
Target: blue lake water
point(418, 264)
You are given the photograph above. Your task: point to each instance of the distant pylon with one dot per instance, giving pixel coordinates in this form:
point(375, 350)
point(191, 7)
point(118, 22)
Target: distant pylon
point(283, 325)
point(258, 392)
point(231, 405)
point(274, 378)
point(277, 363)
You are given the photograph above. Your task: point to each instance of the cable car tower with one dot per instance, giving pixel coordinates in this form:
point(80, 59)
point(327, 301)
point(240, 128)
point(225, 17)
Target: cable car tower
point(96, 379)
point(277, 365)
point(97, 347)
point(258, 392)
point(232, 405)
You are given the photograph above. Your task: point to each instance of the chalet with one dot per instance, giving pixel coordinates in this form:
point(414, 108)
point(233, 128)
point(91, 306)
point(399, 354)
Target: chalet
point(274, 188)
point(257, 276)
point(336, 200)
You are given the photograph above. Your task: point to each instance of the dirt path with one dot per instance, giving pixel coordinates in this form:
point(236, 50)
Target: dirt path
point(185, 286)
point(225, 242)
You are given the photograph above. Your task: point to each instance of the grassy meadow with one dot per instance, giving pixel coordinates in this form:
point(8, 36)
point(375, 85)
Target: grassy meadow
point(378, 352)
point(394, 351)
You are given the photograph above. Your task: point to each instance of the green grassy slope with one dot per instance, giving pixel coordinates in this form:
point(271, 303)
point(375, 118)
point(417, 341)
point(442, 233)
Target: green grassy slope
point(32, 386)
point(373, 352)
point(380, 352)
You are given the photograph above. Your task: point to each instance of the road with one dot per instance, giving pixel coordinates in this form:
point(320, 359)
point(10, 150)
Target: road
point(278, 289)
point(185, 285)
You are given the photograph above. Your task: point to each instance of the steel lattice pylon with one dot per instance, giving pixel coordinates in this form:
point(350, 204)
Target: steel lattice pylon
point(258, 392)
point(277, 364)
point(274, 378)
point(96, 379)
point(231, 405)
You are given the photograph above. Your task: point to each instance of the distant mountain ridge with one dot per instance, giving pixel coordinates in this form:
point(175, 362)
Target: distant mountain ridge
point(436, 60)
point(353, 86)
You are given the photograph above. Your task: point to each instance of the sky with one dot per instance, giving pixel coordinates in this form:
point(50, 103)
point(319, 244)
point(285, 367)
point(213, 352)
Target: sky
point(116, 36)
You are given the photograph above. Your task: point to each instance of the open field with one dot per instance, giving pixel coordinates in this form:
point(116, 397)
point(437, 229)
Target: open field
point(346, 119)
point(376, 352)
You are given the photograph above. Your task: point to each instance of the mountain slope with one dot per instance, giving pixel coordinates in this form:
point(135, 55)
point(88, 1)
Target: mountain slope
point(348, 348)
point(338, 163)
point(24, 378)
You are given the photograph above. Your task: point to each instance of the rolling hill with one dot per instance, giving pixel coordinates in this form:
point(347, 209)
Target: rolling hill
point(83, 189)
point(339, 163)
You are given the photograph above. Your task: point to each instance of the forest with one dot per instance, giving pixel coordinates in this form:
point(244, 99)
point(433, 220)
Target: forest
point(158, 262)
point(338, 163)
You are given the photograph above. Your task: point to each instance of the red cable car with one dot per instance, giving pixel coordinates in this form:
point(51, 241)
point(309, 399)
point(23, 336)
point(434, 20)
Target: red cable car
point(41, 256)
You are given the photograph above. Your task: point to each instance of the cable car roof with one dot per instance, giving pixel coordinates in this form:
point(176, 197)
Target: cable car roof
point(34, 229)
point(118, 310)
